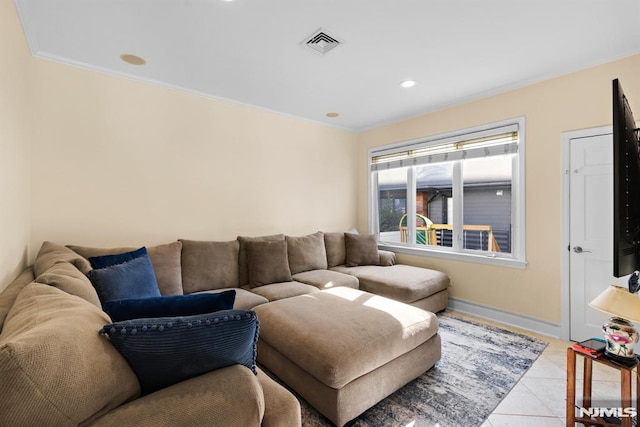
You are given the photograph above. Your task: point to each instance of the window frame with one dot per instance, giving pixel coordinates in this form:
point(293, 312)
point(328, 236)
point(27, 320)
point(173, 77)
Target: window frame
point(517, 257)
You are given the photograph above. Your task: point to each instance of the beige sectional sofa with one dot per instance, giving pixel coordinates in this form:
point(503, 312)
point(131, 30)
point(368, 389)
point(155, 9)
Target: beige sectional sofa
point(57, 370)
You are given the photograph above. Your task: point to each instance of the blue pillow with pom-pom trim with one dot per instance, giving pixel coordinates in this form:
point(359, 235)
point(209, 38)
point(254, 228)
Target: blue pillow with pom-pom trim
point(166, 350)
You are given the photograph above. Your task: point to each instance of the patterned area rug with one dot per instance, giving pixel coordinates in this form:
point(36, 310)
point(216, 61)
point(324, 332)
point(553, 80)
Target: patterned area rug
point(479, 366)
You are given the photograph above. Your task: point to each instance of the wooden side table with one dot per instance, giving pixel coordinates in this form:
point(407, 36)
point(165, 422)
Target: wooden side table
point(625, 389)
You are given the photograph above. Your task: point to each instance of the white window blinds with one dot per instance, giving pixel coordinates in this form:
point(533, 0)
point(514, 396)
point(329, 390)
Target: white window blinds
point(488, 142)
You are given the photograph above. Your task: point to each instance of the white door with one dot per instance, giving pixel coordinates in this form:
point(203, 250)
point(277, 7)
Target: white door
point(591, 232)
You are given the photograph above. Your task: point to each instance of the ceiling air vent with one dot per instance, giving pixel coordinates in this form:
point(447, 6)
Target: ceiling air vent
point(320, 41)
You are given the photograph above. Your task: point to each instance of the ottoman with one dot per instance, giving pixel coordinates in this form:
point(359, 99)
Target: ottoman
point(343, 350)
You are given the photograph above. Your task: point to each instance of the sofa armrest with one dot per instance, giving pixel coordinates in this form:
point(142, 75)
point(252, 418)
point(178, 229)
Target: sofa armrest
point(387, 258)
point(230, 396)
point(281, 407)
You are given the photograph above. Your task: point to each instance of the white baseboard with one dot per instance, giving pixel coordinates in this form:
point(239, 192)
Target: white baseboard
point(506, 318)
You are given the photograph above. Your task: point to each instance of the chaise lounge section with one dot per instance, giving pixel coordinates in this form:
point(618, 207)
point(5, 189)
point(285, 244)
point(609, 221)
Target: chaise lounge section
point(420, 287)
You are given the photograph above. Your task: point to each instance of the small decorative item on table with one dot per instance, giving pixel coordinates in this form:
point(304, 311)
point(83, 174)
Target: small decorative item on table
point(619, 333)
point(621, 337)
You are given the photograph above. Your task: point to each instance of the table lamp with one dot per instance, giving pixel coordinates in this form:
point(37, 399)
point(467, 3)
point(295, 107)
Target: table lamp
point(619, 333)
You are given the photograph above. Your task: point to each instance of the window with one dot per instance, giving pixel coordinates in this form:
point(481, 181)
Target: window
point(459, 195)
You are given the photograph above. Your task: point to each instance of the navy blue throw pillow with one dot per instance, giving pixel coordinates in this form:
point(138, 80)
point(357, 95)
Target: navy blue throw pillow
point(169, 306)
point(131, 279)
point(109, 260)
point(166, 350)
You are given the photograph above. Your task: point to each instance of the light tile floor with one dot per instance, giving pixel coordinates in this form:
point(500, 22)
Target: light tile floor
point(539, 398)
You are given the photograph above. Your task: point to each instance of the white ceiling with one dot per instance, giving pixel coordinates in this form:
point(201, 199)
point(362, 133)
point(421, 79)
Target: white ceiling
point(248, 51)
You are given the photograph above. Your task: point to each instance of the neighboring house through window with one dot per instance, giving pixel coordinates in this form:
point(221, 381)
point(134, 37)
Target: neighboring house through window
point(458, 195)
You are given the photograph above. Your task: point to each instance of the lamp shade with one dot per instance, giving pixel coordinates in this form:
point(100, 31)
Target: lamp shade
point(618, 301)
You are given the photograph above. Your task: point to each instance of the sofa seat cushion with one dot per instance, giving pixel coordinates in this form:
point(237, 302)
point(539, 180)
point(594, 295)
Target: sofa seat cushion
point(278, 291)
point(340, 334)
point(164, 258)
point(326, 279)
point(230, 396)
point(404, 283)
point(245, 300)
point(55, 368)
point(209, 265)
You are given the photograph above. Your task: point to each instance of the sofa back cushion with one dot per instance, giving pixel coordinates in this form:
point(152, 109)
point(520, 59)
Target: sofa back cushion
point(336, 249)
point(306, 253)
point(243, 266)
point(362, 249)
point(209, 265)
point(52, 253)
point(9, 295)
point(66, 277)
point(164, 258)
point(55, 368)
point(268, 263)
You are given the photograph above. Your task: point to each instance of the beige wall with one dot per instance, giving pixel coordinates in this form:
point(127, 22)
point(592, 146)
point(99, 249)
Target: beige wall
point(113, 161)
point(571, 102)
point(122, 162)
point(15, 136)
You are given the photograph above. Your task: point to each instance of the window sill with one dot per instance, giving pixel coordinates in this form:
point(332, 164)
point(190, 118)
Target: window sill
point(457, 256)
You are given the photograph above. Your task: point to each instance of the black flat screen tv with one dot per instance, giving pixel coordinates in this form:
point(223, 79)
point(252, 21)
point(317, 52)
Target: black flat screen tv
point(626, 187)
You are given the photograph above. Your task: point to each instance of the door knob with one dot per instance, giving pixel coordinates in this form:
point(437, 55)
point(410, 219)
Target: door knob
point(579, 250)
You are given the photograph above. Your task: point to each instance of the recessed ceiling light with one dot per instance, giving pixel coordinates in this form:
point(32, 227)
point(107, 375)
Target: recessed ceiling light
point(332, 115)
point(132, 59)
point(408, 83)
